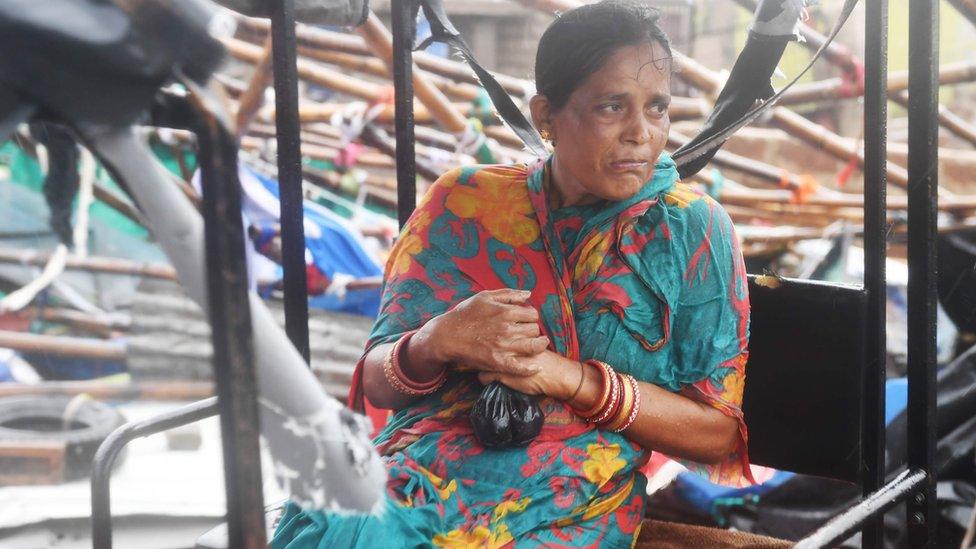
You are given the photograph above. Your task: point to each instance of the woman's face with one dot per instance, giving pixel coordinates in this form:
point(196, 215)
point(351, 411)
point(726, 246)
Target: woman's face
point(609, 134)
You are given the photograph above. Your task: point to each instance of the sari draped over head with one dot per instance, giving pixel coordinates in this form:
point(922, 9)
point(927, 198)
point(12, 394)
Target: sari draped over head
point(654, 285)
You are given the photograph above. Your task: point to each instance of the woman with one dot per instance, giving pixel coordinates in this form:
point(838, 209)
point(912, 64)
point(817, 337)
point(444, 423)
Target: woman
point(592, 279)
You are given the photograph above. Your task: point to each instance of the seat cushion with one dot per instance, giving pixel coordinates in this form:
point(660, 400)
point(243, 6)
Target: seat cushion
point(656, 534)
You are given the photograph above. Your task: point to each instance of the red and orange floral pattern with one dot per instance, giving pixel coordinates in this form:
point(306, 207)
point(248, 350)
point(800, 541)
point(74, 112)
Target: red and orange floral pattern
point(654, 285)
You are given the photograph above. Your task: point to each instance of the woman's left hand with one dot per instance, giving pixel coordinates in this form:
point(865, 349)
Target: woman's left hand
point(557, 377)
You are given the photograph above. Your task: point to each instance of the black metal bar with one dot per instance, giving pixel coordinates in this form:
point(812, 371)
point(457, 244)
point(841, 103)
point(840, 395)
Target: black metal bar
point(108, 451)
point(230, 319)
point(923, 181)
point(404, 29)
point(288, 129)
point(875, 214)
point(844, 525)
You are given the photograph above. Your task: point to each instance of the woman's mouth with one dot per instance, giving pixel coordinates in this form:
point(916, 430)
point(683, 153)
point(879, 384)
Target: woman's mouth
point(627, 165)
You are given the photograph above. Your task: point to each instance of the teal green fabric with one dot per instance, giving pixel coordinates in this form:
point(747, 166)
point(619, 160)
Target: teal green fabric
point(653, 285)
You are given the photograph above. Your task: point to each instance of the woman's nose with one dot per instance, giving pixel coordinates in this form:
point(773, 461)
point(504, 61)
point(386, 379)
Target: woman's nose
point(638, 131)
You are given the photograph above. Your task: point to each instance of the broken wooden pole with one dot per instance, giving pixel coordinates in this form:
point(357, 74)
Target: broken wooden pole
point(253, 97)
point(380, 42)
point(710, 82)
point(75, 347)
point(108, 265)
point(839, 88)
point(330, 40)
point(947, 119)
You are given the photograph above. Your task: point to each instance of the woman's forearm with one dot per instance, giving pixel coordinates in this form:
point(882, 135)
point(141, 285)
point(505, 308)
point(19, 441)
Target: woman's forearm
point(679, 426)
point(666, 422)
point(420, 360)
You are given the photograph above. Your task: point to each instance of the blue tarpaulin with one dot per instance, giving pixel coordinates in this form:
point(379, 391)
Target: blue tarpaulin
point(332, 244)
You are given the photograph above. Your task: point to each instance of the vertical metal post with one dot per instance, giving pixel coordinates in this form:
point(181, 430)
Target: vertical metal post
point(233, 353)
point(923, 181)
point(875, 217)
point(290, 173)
point(404, 29)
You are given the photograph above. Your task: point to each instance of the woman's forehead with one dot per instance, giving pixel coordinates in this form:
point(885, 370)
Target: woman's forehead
point(644, 66)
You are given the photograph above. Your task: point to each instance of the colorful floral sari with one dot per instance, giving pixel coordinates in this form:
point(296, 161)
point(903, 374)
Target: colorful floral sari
point(654, 285)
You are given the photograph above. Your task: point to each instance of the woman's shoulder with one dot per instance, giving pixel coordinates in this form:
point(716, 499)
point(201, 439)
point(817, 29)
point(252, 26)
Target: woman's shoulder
point(478, 174)
point(694, 211)
point(474, 184)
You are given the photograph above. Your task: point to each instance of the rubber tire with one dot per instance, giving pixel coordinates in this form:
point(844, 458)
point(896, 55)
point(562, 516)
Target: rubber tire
point(97, 418)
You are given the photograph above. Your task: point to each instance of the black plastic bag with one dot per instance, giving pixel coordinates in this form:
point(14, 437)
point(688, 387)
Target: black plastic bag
point(504, 417)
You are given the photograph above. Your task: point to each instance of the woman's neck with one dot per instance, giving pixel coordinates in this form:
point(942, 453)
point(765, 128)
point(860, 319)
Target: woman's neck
point(565, 190)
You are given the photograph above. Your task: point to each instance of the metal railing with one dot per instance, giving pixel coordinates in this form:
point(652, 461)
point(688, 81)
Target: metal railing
point(915, 486)
point(110, 449)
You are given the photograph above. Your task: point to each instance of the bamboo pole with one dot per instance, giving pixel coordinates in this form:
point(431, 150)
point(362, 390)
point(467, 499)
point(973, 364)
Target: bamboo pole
point(321, 75)
point(101, 324)
point(383, 142)
point(109, 265)
point(964, 205)
point(380, 42)
point(842, 57)
point(742, 164)
point(947, 119)
point(836, 53)
point(824, 139)
point(710, 82)
point(328, 136)
point(366, 159)
point(746, 214)
point(77, 347)
point(372, 66)
point(117, 203)
point(838, 88)
point(335, 41)
point(307, 70)
point(102, 390)
point(253, 97)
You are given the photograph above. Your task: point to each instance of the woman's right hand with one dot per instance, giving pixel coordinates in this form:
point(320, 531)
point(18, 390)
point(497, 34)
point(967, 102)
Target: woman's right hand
point(491, 331)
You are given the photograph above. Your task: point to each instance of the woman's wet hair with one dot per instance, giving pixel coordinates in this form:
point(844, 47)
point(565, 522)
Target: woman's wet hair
point(579, 41)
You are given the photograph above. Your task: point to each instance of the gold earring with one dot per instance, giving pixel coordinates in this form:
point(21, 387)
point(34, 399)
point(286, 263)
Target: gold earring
point(544, 134)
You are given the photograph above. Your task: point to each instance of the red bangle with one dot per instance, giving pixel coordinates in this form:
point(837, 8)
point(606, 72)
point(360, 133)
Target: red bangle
point(398, 351)
point(623, 403)
point(400, 381)
point(608, 410)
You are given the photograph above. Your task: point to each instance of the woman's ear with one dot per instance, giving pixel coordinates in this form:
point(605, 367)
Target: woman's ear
point(540, 109)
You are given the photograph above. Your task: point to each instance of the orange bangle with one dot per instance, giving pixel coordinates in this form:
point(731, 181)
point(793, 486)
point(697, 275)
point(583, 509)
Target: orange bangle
point(635, 408)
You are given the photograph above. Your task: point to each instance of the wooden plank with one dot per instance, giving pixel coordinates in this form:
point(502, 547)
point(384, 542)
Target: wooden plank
point(31, 462)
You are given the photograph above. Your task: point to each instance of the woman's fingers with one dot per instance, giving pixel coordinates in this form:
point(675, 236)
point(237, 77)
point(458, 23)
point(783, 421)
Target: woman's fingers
point(508, 295)
point(533, 346)
point(520, 313)
point(487, 377)
point(524, 329)
point(527, 346)
point(519, 367)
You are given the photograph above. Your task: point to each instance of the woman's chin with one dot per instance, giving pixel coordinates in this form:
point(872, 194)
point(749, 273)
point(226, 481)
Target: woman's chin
point(623, 188)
